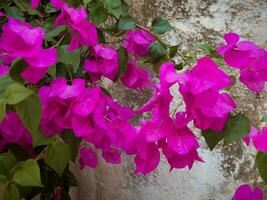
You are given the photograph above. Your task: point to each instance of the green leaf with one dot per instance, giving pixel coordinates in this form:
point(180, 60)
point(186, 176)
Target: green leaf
point(15, 13)
point(173, 50)
point(261, 163)
point(17, 67)
point(52, 71)
point(49, 8)
point(7, 161)
point(3, 179)
point(69, 57)
point(2, 109)
point(55, 32)
point(123, 59)
point(85, 2)
point(156, 51)
point(28, 174)
point(26, 7)
point(29, 112)
point(73, 142)
point(114, 7)
point(264, 118)
point(161, 26)
point(57, 156)
point(205, 47)
point(236, 128)
point(101, 36)
point(11, 192)
point(98, 13)
point(126, 23)
point(16, 93)
point(212, 138)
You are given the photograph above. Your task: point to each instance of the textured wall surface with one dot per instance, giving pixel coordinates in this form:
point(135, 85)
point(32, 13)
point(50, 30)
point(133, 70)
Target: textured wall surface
point(226, 167)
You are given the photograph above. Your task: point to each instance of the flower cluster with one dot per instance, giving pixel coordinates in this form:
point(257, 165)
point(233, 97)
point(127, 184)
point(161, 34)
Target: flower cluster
point(90, 114)
point(83, 32)
point(20, 39)
point(200, 89)
point(249, 58)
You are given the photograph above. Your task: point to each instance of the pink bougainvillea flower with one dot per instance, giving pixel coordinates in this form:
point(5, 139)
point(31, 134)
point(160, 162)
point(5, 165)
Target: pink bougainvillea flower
point(260, 140)
point(136, 77)
point(13, 131)
point(2, 14)
point(249, 58)
point(88, 158)
point(57, 99)
point(20, 39)
point(83, 32)
point(58, 4)
point(206, 79)
point(248, 138)
point(147, 157)
point(104, 62)
point(112, 156)
point(3, 69)
point(35, 3)
point(138, 41)
point(246, 192)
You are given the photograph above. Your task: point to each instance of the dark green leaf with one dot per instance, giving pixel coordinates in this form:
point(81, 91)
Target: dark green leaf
point(261, 163)
point(28, 174)
point(173, 50)
point(264, 118)
point(73, 142)
point(15, 13)
point(69, 57)
point(2, 109)
point(11, 192)
point(114, 7)
point(4, 82)
point(52, 71)
point(212, 138)
point(16, 93)
point(126, 23)
point(97, 12)
point(25, 6)
point(7, 161)
point(55, 32)
point(157, 51)
point(17, 67)
point(101, 36)
point(161, 26)
point(179, 66)
point(236, 128)
point(57, 156)
point(123, 59)
point(49, 8)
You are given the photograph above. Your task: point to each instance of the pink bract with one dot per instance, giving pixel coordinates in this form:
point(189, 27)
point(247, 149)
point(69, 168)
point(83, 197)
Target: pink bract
point(83, 32)
point(246, 192)
point(88, 158)
point(136, 77)
point(104, 62)
point(138, 41)
point(14, 132)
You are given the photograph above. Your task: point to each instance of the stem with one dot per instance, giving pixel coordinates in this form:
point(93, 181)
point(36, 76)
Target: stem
point(60, 40)
point(183, 58)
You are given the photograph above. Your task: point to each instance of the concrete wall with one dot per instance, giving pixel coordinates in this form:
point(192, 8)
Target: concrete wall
point(226, 167)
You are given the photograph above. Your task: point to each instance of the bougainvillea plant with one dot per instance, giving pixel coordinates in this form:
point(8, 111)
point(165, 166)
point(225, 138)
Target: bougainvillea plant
point(55, 108)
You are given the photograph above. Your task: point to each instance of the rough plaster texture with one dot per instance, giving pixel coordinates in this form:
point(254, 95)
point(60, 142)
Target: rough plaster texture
point(226, 167)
